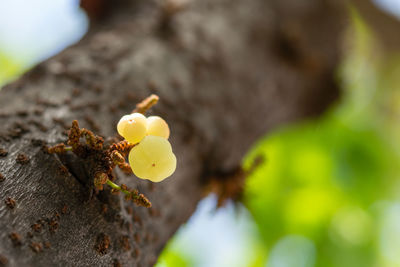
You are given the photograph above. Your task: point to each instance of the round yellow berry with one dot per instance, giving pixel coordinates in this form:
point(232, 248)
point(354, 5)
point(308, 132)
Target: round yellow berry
point(157, 126)
point(152, 159)
point(132, 127)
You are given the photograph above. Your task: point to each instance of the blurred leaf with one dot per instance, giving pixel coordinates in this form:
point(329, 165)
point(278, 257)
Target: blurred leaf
point(9, 68)
point(172, 258)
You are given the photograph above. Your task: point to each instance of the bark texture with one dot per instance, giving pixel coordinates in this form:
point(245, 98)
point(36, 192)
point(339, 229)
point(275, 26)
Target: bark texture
point(226, 73)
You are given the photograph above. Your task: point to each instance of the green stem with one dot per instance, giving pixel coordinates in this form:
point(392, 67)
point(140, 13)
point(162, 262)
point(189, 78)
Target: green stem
point(117, 187)
point(68, 148)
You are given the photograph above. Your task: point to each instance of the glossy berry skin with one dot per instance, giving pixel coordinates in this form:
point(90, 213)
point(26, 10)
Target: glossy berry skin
point(133, 127)
point(152, 159)
point(156, 126)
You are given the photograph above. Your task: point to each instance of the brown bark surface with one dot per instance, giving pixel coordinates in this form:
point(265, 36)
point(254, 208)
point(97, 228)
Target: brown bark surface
point(226, 72)
point(385, 26)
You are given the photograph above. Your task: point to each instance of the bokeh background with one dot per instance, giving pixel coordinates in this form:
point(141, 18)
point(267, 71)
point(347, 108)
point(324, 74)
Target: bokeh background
point(328, 193)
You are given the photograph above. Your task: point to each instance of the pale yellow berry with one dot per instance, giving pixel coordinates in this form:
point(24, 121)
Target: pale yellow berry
point(157, 126)
point(132, 127)
point(152, 159)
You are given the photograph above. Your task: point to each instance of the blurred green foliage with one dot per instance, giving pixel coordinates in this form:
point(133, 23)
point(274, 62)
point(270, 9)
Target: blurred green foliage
point(9, 68)
point(176, 258)
point(327, 194)
point(330, 180)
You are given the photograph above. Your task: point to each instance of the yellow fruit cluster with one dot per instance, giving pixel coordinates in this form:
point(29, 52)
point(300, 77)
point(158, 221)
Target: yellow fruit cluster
point(152, 158)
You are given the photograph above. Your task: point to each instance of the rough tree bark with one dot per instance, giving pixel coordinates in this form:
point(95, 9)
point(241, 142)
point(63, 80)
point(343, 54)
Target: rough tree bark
point(226, 72)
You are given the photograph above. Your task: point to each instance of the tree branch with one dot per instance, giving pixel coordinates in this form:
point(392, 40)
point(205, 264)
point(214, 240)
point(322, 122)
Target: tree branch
point(385, 26)
point(226, 72)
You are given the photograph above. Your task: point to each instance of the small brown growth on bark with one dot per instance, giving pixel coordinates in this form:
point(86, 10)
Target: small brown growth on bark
point(168, 10)
point(148, 237)
point(112, 108)
point(154, 212)
point(38, 111)
point(38, 143)
point(47, 244)
point(141, 200)
point(64, 209)
point(228, 186)
point(36, 247)
point(100, 178)
point(53, 225)
point(136, 236)
point(22, 158)
point(102, 244)
point(63, 170)
point(2, 178)
point(95, 9)
point(128, 197)
point(146, 104)
point(135, 253)
point(17, 130)
point(115, 192)
point(15, 239)
point(122, 147)
point(231, 185)
point(137, 219)
point(10, 202)
point(119, 160)
point(22, 113)
point(104, 208)
point(125, 243)
point(106, 158)
point(3, 260)
point(76, 92)
point(74, 134)
point(37, 227)
point(92, 140)
point(125, 167)
point(3, 152)
point(117, 263)
point(59, 149)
